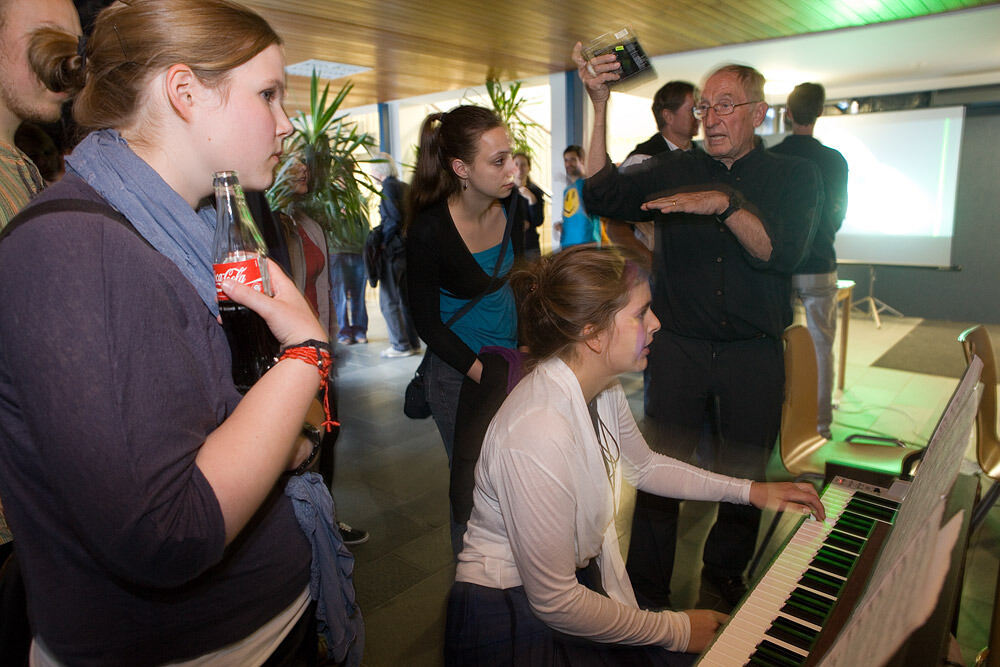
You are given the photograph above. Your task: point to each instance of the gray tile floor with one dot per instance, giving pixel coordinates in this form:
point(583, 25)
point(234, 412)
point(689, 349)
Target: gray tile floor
point(392, 480)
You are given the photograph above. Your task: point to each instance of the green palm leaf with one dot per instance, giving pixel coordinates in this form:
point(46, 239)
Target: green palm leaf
point(333, 148)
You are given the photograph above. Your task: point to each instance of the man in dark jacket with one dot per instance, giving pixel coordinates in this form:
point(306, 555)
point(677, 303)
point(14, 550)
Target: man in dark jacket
point(815, 280)
point(673, 106)
point(403, 338)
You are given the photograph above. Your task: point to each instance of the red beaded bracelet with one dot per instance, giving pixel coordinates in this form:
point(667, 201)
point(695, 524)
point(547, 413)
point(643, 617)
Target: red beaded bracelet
point(315, 353)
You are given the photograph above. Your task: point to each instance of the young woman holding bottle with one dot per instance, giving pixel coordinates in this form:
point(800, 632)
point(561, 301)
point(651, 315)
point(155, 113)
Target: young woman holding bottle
point(145, 492)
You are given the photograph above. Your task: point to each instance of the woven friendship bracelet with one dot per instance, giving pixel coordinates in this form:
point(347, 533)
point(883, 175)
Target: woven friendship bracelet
point(319, 354)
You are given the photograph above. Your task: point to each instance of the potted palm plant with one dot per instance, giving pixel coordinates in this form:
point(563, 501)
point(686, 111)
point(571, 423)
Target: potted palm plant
point(508, 104)
point(332, 147)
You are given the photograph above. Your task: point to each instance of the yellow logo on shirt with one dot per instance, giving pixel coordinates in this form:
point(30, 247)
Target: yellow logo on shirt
point(571, 203)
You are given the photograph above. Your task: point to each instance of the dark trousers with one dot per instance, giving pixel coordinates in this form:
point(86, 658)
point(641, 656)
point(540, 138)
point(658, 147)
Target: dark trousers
point(735, 388)
point(489, 627)
point(300, 647)
point(444, 388)
point(393, 302)
point(15, 633)
point(347, 292)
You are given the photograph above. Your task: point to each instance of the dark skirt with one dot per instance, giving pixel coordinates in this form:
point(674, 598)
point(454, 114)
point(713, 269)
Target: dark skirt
point(492, 627)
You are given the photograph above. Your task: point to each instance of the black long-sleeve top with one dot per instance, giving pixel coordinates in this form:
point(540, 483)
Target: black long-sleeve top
point(536, 218)
point(822, 257)
point(437, 259)
point(705, 284)
point(390, 207)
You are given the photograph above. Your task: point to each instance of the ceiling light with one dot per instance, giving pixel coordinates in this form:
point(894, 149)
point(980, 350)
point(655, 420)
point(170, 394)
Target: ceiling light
point(325, 69)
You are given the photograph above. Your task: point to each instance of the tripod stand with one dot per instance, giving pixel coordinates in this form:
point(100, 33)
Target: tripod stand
point(874, 306)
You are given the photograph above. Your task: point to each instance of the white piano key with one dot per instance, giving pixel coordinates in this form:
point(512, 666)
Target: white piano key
point(746, 629)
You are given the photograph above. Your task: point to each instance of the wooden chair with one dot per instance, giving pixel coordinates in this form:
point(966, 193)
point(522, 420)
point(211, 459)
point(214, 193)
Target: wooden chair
point(804, 452)
point(976, 341)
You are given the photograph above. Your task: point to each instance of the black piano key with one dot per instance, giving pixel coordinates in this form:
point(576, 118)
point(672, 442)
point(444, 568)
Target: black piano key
point(832, 561)
point(779, 654)
point(758, 659)
point(820, 581)
point(803, 613)
point(830, 568)
point(878, 500)
point(808, 606)
point(855, 524)
point(812, 599)
point(871, 510)
point(792, 633)
point(844, 541)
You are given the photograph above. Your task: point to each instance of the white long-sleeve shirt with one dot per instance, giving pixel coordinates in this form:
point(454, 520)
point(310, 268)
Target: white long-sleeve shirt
point(544, 506)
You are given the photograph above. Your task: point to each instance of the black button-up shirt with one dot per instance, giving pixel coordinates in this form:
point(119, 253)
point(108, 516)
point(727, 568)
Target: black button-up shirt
point(822, 258)
point(705, 284)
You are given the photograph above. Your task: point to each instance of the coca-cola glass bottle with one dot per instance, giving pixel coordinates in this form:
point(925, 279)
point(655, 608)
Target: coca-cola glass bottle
point(240, 255)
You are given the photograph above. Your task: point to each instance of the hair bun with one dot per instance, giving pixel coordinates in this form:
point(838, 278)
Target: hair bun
point(57, 58)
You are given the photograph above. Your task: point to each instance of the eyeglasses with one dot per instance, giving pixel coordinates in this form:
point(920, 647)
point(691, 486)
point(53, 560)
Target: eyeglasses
point(721, 109)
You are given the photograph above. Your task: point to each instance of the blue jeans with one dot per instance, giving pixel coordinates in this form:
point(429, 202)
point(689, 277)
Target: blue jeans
point(347, 292)
point(818, 292)
point(444, 386)
point(394, 304)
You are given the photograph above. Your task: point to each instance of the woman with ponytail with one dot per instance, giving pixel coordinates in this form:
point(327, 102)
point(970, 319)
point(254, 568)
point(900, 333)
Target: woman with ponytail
point(148, 497)
point(460, 247)
point(541, 579)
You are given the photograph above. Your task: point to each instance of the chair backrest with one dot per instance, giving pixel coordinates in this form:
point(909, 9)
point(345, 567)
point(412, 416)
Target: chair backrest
point(799, 439)
point(976, 341)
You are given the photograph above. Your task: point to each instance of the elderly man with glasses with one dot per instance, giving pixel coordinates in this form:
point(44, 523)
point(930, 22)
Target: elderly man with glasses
point(731, 225)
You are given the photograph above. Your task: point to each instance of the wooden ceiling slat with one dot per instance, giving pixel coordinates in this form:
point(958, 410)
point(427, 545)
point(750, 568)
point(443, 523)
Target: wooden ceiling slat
point(913, 6)
point(794, 20)
point(416, 47)
point(706, 23)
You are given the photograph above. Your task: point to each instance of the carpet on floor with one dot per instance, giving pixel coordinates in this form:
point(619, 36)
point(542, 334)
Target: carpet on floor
point(932, 348)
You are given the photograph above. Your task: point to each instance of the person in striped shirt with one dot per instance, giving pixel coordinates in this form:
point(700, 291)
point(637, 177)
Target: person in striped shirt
point(22, 97)
point(22, 94)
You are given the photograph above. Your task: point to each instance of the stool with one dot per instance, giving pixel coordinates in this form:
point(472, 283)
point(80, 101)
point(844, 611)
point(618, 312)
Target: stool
point(844, 291)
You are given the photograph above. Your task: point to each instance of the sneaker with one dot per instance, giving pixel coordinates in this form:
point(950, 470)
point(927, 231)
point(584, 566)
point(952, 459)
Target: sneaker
point(731, 589)
point(393, 353)
point(360, 338)
point(345, 340)
point(352, 536)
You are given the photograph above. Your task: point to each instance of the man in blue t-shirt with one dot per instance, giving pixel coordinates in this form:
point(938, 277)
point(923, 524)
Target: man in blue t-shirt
point(576, 226)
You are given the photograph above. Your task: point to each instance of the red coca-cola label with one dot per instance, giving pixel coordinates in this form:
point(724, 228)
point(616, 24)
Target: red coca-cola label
point(246, 272)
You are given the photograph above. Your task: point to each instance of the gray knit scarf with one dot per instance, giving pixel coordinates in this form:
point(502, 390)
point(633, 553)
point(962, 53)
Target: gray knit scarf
point(105, 161)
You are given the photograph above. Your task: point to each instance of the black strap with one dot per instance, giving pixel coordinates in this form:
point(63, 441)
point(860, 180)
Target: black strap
point(493, 278)
point(67, 205)
point(496, 269)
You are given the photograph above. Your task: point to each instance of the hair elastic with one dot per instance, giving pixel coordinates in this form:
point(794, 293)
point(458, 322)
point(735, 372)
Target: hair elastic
point(81, 49)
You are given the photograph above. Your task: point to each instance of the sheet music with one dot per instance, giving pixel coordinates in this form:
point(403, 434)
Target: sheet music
point(910, 571)
point(938, 469)
point(907, 581)
point(902, 600)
